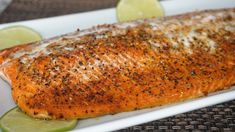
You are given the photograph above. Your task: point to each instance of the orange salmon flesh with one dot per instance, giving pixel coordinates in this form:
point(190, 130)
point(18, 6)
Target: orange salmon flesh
point(123, 67)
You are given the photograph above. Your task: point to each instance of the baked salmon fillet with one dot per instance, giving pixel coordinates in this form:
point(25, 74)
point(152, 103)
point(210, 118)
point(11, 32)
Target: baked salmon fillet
point(123, 67)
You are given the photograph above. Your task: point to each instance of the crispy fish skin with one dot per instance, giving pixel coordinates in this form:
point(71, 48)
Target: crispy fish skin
point(123, 67)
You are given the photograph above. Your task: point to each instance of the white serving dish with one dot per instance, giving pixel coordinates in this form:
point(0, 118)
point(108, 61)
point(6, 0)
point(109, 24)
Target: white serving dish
point(54, 26)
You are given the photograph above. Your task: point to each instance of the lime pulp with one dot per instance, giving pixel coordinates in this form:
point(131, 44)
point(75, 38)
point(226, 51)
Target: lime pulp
point(128, 10)
point(16, 121)
point(16, 35)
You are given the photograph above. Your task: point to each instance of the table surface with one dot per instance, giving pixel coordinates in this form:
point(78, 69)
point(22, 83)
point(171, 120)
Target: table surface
point(215, 118)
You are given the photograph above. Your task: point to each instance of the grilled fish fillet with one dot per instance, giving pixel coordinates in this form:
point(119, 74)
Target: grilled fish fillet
point(122, 67)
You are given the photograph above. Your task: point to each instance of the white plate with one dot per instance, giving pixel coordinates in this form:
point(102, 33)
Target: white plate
point(50, 27)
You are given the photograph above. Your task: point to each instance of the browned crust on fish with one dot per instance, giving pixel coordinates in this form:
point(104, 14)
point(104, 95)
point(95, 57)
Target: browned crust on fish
point(115, 69)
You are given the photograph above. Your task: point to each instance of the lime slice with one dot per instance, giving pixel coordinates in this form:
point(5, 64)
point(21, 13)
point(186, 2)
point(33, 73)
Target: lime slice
point(128, 10)
point(16, 121)
point(16, 35)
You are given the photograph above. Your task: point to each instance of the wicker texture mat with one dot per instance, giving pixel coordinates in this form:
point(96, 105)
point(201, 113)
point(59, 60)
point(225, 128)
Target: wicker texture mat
point(30, 9)
point(215, 118)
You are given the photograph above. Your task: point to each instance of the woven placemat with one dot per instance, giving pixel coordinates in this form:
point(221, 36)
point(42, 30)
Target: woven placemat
point(220, 117)
point(215, 118)
point(31, 9)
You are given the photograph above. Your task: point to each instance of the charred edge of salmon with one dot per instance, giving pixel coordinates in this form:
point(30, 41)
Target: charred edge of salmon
point(5, 54)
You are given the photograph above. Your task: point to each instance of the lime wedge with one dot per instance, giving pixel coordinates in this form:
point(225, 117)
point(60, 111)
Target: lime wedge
point(16, 121)
point(16, 35)
point(128, 10)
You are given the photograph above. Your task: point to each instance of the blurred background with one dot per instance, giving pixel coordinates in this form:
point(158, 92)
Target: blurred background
point(4, 4)
point(17, 10)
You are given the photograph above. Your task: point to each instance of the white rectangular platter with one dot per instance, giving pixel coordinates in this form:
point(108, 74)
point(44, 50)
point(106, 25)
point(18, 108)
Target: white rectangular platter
point(50, 27)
